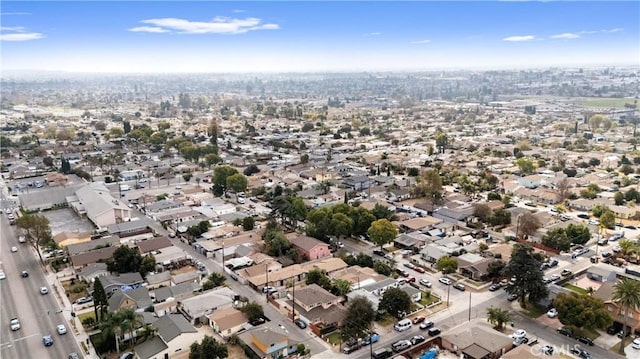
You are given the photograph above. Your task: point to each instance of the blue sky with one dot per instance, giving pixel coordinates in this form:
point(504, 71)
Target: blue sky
point(285, 36)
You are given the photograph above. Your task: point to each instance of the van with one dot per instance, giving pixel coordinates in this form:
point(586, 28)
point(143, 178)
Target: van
point(403, 325)
point(382, 353)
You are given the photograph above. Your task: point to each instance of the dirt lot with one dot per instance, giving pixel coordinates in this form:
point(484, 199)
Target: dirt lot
point(71, 289)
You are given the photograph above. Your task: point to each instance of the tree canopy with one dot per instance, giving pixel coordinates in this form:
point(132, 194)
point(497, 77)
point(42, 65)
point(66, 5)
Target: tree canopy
point(395, 302)
point(209, 348)
point(582, 311)
point(447, 265)
point(36, 231)
point(360, 315)
point(382, 232)
point(524, 265)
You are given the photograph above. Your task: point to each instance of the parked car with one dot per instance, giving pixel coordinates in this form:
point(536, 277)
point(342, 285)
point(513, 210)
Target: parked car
point(417, 320)
point(379, 252)
point(512, 297)
point(417, 339)
point(521, 340)
point(426, 325)
point(566, 272)
point(402, 272)
point(425, 283)
point(635, 344)
point(546, 350)
point(445, 281)
point(370, 339)
point(553, 263)
point(24, 274)
point(409, 265)
point(418, 269)
point(552, 313)
point(554, 277)
point(585, 340)
point(434, 331)
point(459, 286)
point(520, 333)
point(580, 353)
point(494, 287)
point(61, 329)
point(401, 345)
point(565, 331)
point(44, 290)
point(83, 300)
point(300, 323)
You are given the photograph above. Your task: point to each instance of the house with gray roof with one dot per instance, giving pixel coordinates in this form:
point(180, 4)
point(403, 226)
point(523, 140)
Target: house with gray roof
point(150, 348)
point(476, 340)
point(136, 299)
point(53, 197)
point(121, 281)
point(172, 326)
point(197, 308)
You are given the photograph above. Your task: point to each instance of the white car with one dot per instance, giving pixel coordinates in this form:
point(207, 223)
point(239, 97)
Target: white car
point(635, 344)
point(554, 277)
point(22, 239)
point(61, 329)
point(14, 249)
point(552, 313)
point(44, 290)
point(2, 276)
point(15, 324)
point(520, 333)
point(425, 283)
point(445, 281)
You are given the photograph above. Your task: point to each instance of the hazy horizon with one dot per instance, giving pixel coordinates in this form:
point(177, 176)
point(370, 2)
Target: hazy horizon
point(315, 37)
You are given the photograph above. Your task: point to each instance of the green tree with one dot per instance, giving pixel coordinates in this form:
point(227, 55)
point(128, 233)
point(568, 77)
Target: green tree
point(608, 219)
point(248, 223)
point(618, 198)
point(379, 211)
point(126, 126)
point(214, 280)
point(582, 311)
point(429, 185)
point(319, 277)
point(276, 243)
point(482, 211)
point(447, 265)
point(318, 223)
point(147, 265)
point(498, 316)
point(36, 231)
point(237, 183)
point(382, 232)
point(220, 175)
point(360, 316)
point(125, 260)
point(209, 348)
point(250, 170)
point(626, 292)
point(395, 302)
point(382, 268)
point(524, 265)
point(578, 233)
point(341, 224)
point(100, 302)
point(495, 268)
point(253, 311)
point(211, 159)
point(362, 219)
point(525, 165)
point(557, 238)
point(340, 287)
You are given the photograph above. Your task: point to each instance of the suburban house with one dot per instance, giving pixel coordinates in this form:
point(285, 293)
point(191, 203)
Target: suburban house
point(227, 321)
point(197, 308)
point(268, 343)
point(137, 299)
point(64, 239)
point(616, 311)
point(96, 203)
point(90, 257)
point(122, 281)
point(476, 340)
point(473, 266)
point(311, 248)
point(314, 304)
point(175, 334)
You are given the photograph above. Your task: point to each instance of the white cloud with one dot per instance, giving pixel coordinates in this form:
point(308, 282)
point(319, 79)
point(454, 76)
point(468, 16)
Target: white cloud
point(18, 33)
point(148, 29)
point(21, 36)
point(219, 25)
point(519, 38)
point(566, 35)
point(610, 31)
point(12, 28)
point(420, 42)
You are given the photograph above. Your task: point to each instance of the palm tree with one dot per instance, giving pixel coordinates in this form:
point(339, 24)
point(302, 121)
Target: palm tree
point(498, 317)
point(627, 293)
point(129, 321)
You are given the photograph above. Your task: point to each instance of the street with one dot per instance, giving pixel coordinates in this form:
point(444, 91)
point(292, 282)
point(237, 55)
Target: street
point(38, 314)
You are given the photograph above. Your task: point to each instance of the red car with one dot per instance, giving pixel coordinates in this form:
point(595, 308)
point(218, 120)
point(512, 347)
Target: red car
point(418, 269)
point(411, 280)
point(417, 320)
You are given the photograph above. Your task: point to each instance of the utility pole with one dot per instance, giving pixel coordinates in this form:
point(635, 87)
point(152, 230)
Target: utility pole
point(469, 306)
point(266, 273)
point(293, 303)
point(448, 290)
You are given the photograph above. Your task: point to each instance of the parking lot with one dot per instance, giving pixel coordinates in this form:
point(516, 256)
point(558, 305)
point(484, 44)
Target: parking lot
point(66, 220)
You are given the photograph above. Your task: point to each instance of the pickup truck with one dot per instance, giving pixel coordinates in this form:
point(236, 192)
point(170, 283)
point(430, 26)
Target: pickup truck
point(352, 345)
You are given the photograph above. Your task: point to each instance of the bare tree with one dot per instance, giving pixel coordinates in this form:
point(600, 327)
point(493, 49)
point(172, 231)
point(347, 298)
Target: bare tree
point(526, 225)
point(562, 187)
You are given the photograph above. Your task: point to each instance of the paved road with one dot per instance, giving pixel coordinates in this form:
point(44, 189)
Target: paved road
point(39, 314)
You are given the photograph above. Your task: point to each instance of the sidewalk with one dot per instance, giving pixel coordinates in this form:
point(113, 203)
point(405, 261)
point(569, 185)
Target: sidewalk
point(87, 351)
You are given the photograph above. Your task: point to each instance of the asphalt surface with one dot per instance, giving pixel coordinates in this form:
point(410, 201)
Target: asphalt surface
point(20, 297)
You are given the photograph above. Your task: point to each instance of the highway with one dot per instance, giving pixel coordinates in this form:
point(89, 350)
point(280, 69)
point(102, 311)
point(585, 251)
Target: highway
point(20, 297)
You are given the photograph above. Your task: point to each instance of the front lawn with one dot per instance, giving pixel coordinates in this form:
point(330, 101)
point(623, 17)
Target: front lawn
point(576, 289)
point(534, 310)
point(387, 320)
point(428, 298)
point(334, 338)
